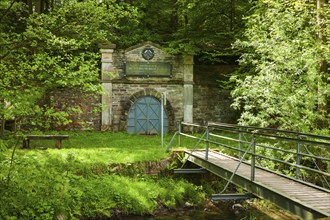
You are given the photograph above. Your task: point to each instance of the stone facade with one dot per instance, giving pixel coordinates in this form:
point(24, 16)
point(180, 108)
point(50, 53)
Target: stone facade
point(192, 91)
point(122, 90)
point(124, 95)
point(192, 95)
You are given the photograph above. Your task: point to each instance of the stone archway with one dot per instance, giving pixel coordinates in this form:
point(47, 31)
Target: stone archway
point(145, 117)
point(128, 75)
point(155, 95)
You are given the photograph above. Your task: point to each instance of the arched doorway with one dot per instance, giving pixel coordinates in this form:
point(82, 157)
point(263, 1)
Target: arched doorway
point(144, 117)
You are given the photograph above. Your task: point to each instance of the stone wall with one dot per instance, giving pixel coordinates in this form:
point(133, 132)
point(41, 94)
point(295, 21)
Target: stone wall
point(83, 108)
point(133, 54)
point(211, 102)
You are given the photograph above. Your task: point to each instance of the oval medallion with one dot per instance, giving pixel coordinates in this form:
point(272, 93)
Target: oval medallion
point(148, 53)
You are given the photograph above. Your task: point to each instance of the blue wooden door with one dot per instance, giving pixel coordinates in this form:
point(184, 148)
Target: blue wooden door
point(144, 117)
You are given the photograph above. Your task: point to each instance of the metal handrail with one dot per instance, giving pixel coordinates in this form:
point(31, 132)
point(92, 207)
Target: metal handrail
point(255, 129)
point(298, 138)
point(269, 129)
point(292, 152)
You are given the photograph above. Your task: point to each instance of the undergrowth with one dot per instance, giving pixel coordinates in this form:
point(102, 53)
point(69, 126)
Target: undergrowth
point(76, 182)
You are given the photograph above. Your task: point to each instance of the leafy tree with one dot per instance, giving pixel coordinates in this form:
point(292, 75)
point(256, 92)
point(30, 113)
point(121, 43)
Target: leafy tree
point(50, 46)
point(209, 27)
point(199, 27)
point(280, 83)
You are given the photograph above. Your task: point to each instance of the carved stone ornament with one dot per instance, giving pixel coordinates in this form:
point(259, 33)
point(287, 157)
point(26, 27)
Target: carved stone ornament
point(148, 53)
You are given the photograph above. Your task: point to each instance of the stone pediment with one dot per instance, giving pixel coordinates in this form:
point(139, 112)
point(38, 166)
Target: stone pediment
point(148, 60)
point(147, 52)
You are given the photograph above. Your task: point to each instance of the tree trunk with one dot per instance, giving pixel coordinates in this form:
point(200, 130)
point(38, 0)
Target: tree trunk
point(38, 8)
point(30, 6)
point(3, 123)
point(232, 14)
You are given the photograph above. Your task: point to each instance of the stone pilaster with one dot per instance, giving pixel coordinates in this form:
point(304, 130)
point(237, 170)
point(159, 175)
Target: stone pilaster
point(108, 72)
point(188, 77)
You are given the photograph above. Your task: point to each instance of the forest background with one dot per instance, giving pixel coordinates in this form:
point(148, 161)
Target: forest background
point(282, 48)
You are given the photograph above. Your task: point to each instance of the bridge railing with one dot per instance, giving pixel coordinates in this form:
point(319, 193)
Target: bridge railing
point(299, 156)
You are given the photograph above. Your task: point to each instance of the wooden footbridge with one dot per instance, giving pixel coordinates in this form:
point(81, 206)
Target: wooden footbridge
point(289, 169)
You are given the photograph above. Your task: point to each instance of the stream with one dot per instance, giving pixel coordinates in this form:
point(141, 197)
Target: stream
point(223, 212)
point(187, 215)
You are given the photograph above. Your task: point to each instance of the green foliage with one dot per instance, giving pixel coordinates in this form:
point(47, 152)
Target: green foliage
point(206, 28)
point(41, 52)
point(209, 26)
point(280, 83)
point(46, 45)
point(44, 191)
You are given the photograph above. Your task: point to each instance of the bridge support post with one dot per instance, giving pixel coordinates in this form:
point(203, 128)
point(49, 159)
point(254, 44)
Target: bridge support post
point(253, 158)
point(179, 137)
point(207, 143)
point(298, 158)
point(240, 136)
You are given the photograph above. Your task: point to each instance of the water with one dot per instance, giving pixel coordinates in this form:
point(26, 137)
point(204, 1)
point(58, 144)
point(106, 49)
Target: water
point(184, 215)
point(195, 215)
point(222, 211)
point(226, 213)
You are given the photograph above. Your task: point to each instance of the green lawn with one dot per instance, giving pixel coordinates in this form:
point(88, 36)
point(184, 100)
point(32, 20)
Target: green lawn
point(104, 147)
point(108, 147)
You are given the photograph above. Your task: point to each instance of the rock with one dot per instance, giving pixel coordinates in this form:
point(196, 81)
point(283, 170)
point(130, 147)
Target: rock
point(188, 205)
point(60, 217)
point(238, 208)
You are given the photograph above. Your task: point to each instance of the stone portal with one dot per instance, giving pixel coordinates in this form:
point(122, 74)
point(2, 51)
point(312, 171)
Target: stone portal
point(134, 81)
point(193, 92)
point(144, 116)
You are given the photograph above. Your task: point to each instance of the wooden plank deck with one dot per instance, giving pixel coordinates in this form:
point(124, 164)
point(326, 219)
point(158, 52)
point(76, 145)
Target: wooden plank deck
point(302, 200)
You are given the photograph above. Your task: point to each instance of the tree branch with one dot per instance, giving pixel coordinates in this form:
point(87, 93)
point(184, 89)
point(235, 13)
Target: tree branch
point(7, 10)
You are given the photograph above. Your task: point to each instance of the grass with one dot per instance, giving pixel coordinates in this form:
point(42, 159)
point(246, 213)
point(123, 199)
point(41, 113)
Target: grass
point(104, 147)
point(108, 147)
point(44, 182)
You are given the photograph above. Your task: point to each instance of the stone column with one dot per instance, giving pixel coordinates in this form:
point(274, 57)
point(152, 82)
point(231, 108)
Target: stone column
point(188, 78)
point(108, 73)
